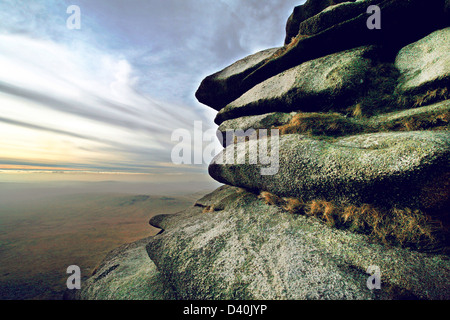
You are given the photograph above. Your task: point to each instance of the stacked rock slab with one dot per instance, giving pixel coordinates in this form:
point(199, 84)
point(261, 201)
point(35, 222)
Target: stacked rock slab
point(363, 120)
point(321, 84)
point(389, 154)
point(245, 249)
point(232, 245)
point(404, 21)
point(395, 153)
point(301, 13)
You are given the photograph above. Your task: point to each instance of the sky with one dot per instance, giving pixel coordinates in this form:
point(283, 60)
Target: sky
point(107, 97)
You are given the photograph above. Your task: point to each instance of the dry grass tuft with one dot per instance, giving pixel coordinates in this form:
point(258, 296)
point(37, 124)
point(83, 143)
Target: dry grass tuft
point(444, 118)
point(271, 199)
point(293, 205)
point(431, 96)
point(288, 47)
point(402, 227)
point(437, 121)
point(294, 41)
point(319, 124)
point(357, 112)
point(419, 100)
point(208, 209)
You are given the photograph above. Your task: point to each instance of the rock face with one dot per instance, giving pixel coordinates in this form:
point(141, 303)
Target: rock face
point(126, 274)
point(350, 172)
point(331, 16)
point(383, 168)
point(215, 89)
point(250, 250)
point(403, 22)
point(324, 83)
point(305, 11)
point(425, 64)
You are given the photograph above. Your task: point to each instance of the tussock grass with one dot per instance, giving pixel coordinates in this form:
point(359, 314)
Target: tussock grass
point(402, 227)
point(208, 209)
point(430, 96)
point(271, 199)
point(288, 47)
point(357, 112)
point(420, 100)
point(320, 124)
point(333, 125)
point(436, 121)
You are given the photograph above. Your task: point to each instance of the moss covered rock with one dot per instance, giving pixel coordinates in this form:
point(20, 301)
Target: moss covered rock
point(425, 64)
point(323, 83)
point(219, 89)
point(251, 250)
point(385, 169)
point(304, 12)
point(127, 273)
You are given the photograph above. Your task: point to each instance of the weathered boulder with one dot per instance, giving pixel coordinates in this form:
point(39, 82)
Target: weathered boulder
point(323, 125)
point(426, 117)
point(127, 273)
point(250, 250)
point(329, 82)
point(430, 117)
point(264, 121)
point(384, 169)
point(333, 15)
point(305, 11)
point(425, 64)
point(403, 22)
point(216, 89)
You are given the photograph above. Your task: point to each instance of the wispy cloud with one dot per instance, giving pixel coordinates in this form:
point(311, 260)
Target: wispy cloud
point(108, 96)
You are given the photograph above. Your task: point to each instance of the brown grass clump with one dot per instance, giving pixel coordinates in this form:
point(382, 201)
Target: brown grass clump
point(357, 112)
point(431, 96)
point(323, 210)
point(420, 123)
point(271, 199)
point(294, 126)
point(208, 209)
point(293, 205)
point(437, 121)
point(444, 118)
point(294, 41)
point(408, 226)
point(402, 227)
point(320, 124)
point(419, 100)
point(288, 47)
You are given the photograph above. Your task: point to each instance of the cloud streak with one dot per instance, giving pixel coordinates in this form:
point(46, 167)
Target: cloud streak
point(109, 96)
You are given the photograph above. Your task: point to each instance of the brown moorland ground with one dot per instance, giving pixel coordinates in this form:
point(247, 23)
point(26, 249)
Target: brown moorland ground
point(40, 238)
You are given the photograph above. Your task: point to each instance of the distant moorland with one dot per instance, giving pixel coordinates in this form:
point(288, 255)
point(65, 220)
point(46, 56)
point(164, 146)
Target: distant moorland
point(41, 237)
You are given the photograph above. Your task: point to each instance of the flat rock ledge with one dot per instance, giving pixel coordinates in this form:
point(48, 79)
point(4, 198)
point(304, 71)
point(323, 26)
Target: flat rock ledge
point(384, 169)
point(246, 249)
point(127, 273)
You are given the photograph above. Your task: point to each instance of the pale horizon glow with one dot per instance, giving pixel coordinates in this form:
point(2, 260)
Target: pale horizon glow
point(105, 99)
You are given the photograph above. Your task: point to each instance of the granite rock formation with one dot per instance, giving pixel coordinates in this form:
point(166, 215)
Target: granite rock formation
point(363, 176)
